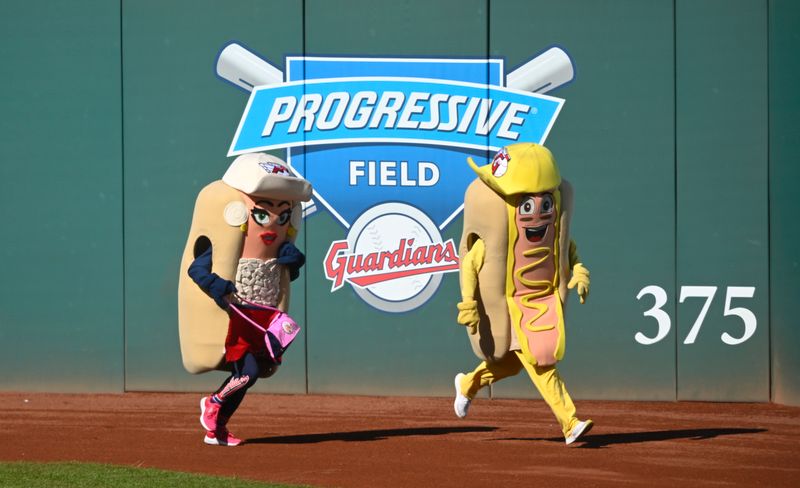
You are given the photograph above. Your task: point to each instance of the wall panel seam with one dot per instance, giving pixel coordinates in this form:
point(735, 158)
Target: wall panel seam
point(122, 197)
point(675, 190)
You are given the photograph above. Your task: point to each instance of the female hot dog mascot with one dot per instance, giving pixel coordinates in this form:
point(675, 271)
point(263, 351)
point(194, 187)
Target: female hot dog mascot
point(240, 250)
point(517, 264)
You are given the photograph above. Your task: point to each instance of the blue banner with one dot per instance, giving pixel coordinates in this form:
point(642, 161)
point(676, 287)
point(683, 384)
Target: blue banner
point(384, 142)
point(392, 110)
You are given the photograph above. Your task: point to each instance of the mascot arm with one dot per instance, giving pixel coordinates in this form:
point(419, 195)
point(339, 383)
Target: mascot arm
point(580, 275)
point(292, 258)
point(216, 287)
point(471, 264)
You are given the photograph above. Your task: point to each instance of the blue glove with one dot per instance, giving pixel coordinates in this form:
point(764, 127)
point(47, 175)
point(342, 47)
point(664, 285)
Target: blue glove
point(290, 256)
point(216, 287)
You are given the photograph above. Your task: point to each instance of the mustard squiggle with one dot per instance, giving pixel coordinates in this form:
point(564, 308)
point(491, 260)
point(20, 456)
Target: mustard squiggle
point(539, 288)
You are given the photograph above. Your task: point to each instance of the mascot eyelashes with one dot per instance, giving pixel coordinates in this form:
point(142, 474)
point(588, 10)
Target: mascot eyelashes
point(234, 279)
point(517, 266)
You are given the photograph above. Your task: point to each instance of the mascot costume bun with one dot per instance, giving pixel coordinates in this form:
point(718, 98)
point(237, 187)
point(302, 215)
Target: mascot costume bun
point(220, 222)
point(517, 266)
point(233, 289)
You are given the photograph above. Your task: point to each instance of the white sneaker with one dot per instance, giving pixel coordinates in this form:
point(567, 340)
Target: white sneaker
point(461, 403)
point(580, 428)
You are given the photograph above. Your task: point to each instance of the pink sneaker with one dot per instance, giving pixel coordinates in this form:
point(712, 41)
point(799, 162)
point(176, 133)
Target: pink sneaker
point(221, 437)
point(208, 414)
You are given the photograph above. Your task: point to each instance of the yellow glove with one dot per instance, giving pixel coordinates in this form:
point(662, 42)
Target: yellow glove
point(580, 278)
point(468, 315)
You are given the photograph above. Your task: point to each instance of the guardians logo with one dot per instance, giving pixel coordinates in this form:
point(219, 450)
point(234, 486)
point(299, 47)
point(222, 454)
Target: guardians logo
point(384, 143)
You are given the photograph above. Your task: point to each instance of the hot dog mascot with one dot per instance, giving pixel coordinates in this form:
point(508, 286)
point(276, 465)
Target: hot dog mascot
point(517, 264)
point(240, 251)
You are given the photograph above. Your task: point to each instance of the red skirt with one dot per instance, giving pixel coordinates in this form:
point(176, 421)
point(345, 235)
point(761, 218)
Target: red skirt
point(243, 337)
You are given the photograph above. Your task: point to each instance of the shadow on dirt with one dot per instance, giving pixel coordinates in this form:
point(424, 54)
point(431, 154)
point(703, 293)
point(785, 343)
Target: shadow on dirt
point(366, 435)
point(604, 440)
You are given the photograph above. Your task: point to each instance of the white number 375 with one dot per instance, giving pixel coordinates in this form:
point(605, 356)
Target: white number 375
point(707, 292)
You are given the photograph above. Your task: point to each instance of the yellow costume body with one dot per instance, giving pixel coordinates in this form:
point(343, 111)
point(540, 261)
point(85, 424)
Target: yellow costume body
point(517, 264)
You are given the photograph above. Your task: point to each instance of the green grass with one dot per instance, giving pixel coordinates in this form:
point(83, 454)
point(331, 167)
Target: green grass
point(89, 475)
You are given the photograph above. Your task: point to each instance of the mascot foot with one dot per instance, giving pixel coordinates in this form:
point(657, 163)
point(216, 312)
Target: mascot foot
point(461, 403)
point(580, 428)
point(208, 414)
point(221, 437)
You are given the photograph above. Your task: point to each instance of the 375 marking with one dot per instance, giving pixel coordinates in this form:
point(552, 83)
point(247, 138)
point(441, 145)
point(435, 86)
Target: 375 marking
point(707, 292)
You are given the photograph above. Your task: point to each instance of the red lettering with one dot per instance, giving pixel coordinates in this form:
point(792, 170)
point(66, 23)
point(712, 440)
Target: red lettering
point(341, 266)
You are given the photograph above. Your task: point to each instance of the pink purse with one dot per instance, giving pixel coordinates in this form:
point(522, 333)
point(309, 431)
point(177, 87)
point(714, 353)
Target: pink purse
point(278, 334)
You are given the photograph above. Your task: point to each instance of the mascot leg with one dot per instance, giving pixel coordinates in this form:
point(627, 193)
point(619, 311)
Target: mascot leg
point(232, 391)
point(217, 409)
point(552, 388)
point(487, 373)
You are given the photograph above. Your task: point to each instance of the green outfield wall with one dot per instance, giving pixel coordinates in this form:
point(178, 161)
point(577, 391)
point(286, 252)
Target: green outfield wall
point(679, 132)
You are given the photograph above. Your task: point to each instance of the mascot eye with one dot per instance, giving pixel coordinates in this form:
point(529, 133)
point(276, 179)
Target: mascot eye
point(528, 206)
point(284, 217)
point(261, 216)
point(547, 204)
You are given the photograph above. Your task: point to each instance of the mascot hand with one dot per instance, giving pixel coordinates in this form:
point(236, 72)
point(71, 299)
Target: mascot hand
point(290, 256)
point(219, 289)
point(468, 315)
point(580, 279)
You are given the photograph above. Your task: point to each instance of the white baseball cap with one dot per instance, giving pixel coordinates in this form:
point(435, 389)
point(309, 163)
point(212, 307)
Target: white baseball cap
point(265, 175)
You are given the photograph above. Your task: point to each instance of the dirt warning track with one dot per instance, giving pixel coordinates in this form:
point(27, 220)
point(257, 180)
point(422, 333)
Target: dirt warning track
point(345, 441)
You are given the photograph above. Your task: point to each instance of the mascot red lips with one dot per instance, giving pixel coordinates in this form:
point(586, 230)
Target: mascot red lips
point(268, 237)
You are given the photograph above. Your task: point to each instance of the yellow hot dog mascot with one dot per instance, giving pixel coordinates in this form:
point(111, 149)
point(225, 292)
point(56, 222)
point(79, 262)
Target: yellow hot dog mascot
point(517, 266)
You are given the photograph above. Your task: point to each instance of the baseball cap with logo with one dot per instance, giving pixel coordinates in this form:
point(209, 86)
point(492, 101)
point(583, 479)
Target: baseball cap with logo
point(519, 169)
point(268, 176)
